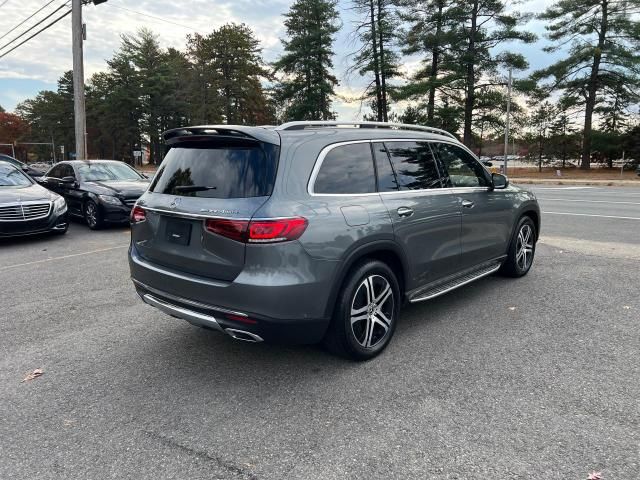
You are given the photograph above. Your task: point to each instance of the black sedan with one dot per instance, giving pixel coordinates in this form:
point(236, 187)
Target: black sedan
point(26, 208)
point(29, 170)
point(100, 191)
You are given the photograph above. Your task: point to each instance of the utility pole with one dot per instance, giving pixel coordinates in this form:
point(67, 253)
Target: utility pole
point(506, 128)
point(78, 80)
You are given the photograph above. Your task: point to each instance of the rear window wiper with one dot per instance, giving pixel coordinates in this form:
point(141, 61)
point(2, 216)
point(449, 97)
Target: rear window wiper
point(193, 188)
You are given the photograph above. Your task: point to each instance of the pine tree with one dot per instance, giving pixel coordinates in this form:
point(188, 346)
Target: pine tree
point(239, 68)
point(431, 32)
point(308, 85)
point(377, 33)
point(483, 26)
point(604, 37)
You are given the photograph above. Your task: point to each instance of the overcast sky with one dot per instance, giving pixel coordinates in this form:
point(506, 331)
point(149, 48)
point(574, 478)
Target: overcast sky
point(39, 63)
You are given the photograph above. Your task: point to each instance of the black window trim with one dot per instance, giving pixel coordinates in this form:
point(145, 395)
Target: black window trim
point(328, 148)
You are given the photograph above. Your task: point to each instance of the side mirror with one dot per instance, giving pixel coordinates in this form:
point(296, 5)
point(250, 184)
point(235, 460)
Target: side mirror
point(68, 180)
point(500, 182)
point(488, 163)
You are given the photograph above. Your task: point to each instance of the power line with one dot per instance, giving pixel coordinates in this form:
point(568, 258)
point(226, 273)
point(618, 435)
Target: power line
point(34, 26)
point(151, 16)
point(4, 3)
point(36, 34)
point(26, 19)
point(273, 49)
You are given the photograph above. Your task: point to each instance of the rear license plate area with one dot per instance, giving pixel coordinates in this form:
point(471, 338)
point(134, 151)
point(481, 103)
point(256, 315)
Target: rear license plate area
point(178, 231)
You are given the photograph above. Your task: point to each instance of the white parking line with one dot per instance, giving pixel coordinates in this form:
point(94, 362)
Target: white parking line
point(63, 257)
point(591, 215)
point(587, 201)
point(565, 188)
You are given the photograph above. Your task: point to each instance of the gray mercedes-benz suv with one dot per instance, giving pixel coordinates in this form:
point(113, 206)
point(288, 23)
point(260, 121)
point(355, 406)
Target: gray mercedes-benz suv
point(320, 231)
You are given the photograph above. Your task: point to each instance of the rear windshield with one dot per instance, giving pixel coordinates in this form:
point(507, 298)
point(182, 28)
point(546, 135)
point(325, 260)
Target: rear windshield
point(218, 172)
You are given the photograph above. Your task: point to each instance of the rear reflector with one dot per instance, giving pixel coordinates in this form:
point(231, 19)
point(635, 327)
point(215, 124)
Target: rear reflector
point(258, 231)
point(138, 214)
point(241, 319)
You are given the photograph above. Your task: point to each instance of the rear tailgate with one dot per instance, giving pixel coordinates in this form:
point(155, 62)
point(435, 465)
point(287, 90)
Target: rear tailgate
point(200, 180)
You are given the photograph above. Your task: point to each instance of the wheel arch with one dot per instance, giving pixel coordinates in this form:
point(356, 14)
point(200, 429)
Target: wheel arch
point(534, 215)
point(387, 252)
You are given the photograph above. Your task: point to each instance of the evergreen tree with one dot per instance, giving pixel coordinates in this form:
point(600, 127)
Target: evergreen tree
point(541, 119)
point(432, 32)
point(604, 37)
point(308, 85)
point(483, 26)
point(564, 140)
point(377, 33)
point(238, 67)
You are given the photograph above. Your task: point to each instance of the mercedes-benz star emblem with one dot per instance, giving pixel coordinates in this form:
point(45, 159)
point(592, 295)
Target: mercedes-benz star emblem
point(175, 202)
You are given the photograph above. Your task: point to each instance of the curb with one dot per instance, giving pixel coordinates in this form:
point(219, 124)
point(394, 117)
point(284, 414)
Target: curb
point(570, 181)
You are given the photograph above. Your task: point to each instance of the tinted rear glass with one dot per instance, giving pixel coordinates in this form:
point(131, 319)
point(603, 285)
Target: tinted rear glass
point(347, 169)
point(218, 172)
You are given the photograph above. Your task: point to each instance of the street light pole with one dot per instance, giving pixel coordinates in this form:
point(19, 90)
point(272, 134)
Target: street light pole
point(506, 128)
point(78, 80)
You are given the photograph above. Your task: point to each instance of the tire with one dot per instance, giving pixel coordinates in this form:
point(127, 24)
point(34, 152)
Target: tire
point(362, 328)
point(92, 215)
point(522, 250)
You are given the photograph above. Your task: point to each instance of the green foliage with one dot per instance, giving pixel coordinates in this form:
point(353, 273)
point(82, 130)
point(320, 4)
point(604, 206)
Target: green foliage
point(307, 86)
point(148, 89)
point(602, 39)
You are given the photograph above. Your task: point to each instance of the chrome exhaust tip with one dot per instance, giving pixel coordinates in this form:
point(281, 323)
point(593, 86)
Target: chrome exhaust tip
point(243, 336)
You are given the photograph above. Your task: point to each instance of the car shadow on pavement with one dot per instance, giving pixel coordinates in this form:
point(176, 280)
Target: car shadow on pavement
point(190, 356)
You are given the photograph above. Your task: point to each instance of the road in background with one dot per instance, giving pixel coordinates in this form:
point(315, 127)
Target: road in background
point(529, 378)
point(607, 214)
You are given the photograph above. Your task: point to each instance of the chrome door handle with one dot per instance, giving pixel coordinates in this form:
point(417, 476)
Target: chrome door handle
point(405, 212)
point(467, 204)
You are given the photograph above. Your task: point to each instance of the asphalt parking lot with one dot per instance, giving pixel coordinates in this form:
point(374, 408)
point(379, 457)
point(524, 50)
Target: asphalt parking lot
point(532, 378)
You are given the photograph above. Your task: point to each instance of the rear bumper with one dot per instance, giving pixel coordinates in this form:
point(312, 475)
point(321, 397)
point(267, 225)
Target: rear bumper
point(237, 325)
point(284, 306)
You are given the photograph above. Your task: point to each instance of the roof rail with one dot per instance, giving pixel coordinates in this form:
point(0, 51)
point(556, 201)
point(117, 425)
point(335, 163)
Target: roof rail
point(301, 125)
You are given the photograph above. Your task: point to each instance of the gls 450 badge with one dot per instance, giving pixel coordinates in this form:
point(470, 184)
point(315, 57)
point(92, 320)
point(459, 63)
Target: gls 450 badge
point(220, 212)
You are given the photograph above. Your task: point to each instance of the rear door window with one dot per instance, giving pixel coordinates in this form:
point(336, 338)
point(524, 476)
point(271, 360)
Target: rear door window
point(347, 169)
point(414, 165)
point(214, 171)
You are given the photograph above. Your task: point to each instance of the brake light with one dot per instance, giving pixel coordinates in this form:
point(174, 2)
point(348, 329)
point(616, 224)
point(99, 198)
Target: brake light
point(279, 230)
point(233, 229)
point(138, 214)
point(258, 231)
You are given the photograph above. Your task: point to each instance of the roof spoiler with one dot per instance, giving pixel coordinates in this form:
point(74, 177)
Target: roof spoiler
point(226, 132)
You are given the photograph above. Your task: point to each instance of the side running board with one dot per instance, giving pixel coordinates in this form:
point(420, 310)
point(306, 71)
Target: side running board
point(442, 288)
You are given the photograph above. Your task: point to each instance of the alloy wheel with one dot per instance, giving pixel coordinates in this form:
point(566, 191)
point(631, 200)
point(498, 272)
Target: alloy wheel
point(524, 247)
point(372, 311)
point(91, 214)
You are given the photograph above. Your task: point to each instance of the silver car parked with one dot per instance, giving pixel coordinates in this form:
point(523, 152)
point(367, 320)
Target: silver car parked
point(320, 231)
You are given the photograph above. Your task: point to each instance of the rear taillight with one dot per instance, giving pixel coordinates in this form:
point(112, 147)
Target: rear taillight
point(234, 229)
point(258, 231)
point(138, 214)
